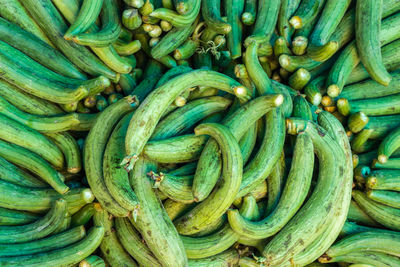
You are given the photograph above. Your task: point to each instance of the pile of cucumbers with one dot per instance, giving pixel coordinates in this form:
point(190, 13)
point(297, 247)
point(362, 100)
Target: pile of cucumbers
point(200, 133)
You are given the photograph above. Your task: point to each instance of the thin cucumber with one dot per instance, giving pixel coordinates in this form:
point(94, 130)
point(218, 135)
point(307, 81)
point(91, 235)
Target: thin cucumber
point(154, 224)
point(249, 13)
point(63, 256)
point(288, 7)
point(367, 257)
point(211, 12)
point(51, 22)
point(52, 242)
point(92, 261)
point(306, 13)
point(387, 105)
point(234, 10)
point(36, 230)
point(84, 215)
point(111, 28)
point(389, 145)
point(275, 185)
point(392, 163)
point(69, 148)
point(389, 198)
point(357, 215)
point(177, 188)
point(11, 173)
point(229, 257)
point(178, 20)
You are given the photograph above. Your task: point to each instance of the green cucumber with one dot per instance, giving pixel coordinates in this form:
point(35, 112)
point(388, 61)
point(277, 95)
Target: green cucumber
point(110, 31)
point(367, 257)
point(275, 185)
point(184, 148)
point(131, 19)
point(211, 12)
point(301, 109)
point(386, 105)
point(306, 13)
point(15, 217)
point(11, 173)
point(357, 215)
point(69, 148)
point(154, 224)
point(299, 180)
point(151, 110)
point(314, 90)
point(115, 177)
point(52, 242)
point(51, 22)
point(133, 244)
point(94, 149)
point(229, 257)
point(84, 215)
point(381, 213)
point(233, 11)
point(389, 198)
point(288, 7)
point(219, 201)
point(176, 209)
point(307, 224)
point(179, 20)
point(60, 257)
point(299, 45)
point(39, 50)
point(382, 125)
point(249, 12)
point(392, 163)
point(181, 120)
point(389, 145)
point(177, 188)
point(41, 228)
point(88, 13)
point(187, 169)
point(92, 261)
point(368, 25)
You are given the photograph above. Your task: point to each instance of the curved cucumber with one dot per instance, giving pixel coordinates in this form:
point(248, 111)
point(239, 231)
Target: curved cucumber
point(154, 224)
point(288, 7)
point(151, 110)
point(59, 257)
point(299, 180)
point(15, 217)
point(177, 188)
point(356, 214)
point(94, 148)
point(84, 215)
point(228, 258)
point(111, 28)
point(69, 148)
point(389, 145)
point(211, 12)
point(88, 13)
point(178, 20)
point(36, 230)
point(234, 9)
point(368, 24)
point(11, 173)
point(115, 177)
point(219, 201)
point(51, 22)
point(52, 242)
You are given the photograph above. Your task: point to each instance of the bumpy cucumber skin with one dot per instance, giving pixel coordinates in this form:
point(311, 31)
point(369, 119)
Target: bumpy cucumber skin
point(212, 15)
point(63, 257)
point(234, 10)
point(366, 257)
point(228, 258)
point(11, 173)
point(389, 145)
point(155, 226)
point(368, 24)
point(176, 19)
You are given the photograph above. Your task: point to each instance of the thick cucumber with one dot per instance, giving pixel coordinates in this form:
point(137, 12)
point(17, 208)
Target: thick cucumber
point(392, 163)
point(15, 217)
point(275, 185)
point(69, 148)
point(248, 142)
point(209, 165)
point(177, 188)
point(155, 226)
point(308, 223)
point(219, 201)
point(385, 242)
point(234, 9)
point(111, 28)
point(94, 149)
point(26, 102)
point(55, 123)
point(14, 12)
point(133, 244)
point(50, 20)
point(35, 199)
point(151, 110)
point(211, 12)
point(115, 177)
point(389, 198)
point(368, 24)
point(389, 145)
point(184, 148)
point(11, 173)
point(49, 243)
point(40, 51)
point(110, 247)
point(386, 105)
point(181, 120)
point(36, 230)
point(306, 13)
point(88, 13)
point(367, 257)
point(70, 255)
point(299, 180)
point(37, 165)
point(356, 214)
point(249, 13)
point(228, 258)
point(178, 20)
point(381, 213)
point(382, 125)
point(84, 215)
point(176, 209)
point(301, 108)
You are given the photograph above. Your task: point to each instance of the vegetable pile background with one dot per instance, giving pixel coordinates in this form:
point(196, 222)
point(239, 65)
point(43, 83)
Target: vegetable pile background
point(199, 133)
